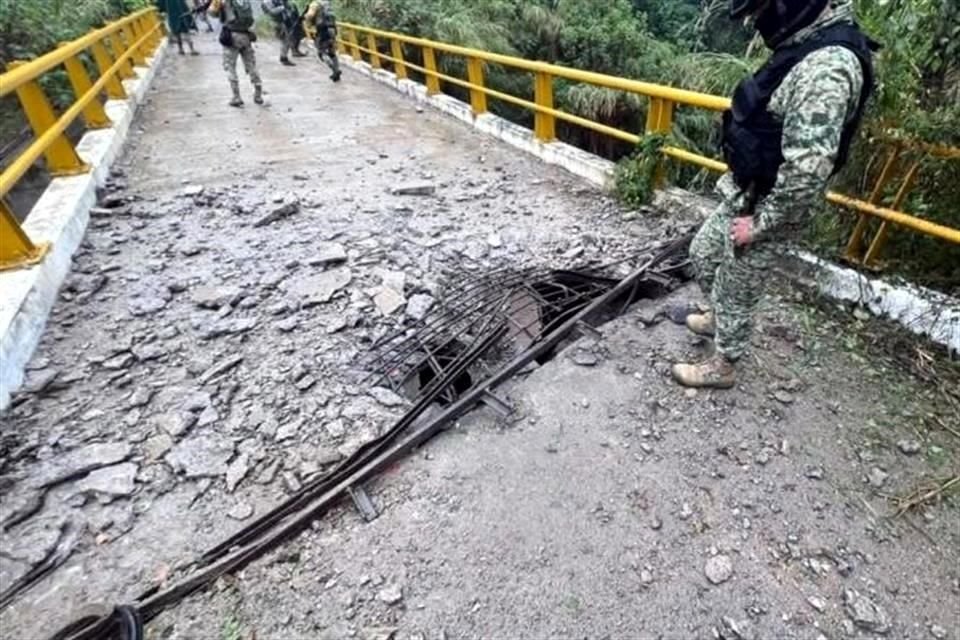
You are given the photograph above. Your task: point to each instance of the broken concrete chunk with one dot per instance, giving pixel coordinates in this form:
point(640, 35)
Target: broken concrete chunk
point(109, 483)
point(318, 288)
point(388, 301)
point(420, 188)
point(210, 297)
point(718, 569)
point(386, 397)
point(865, 613)
point(289, 207)
point(419, 305)
point(237, 471)
point(327, 253)
point(201, 456)
point(83, 460)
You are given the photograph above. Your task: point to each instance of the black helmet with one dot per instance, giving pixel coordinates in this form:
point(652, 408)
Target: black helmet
point(777, 20)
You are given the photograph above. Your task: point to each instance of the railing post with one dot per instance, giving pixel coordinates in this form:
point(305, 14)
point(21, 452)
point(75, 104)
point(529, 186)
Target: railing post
point(430, 64)
point(102, 57)
point(129, 32)
point(659, 120)
point(478, 99)
point(544, 124)
point(93, 114)
point(854, 250)
point(880, 239)
point(354, 45)
point(117, 49)
point(374, 52)
point(62, 158)
point(16, 249)
point(396, 50)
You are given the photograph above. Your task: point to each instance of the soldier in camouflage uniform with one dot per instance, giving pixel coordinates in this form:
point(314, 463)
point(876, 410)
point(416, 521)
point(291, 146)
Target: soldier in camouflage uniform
point(237, 38)
point(787, 133)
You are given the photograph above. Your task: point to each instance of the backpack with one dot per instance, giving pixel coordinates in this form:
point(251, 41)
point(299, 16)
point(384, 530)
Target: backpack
point(242, 15)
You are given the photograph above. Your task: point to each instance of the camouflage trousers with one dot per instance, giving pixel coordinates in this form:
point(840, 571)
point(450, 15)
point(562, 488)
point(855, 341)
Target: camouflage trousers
point(242, 48)
point(733, 279)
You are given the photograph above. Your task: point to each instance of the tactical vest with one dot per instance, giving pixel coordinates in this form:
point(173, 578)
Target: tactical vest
point(752, 135)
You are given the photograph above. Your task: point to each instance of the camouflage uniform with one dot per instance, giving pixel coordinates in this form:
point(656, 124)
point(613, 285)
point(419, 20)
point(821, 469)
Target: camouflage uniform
point(242, 48)
point(816, 99)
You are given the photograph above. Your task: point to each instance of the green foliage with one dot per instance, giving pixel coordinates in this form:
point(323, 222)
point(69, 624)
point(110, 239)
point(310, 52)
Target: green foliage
point(636, 174)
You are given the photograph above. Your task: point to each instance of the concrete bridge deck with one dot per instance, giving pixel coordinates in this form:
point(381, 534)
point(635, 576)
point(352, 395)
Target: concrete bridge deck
point(617, 506)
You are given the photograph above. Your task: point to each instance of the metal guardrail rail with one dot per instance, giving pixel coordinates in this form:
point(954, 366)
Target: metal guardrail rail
point(663, 101)
point(114, 49)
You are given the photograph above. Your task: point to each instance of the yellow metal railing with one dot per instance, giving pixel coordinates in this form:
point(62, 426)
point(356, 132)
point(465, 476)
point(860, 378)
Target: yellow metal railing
point(114, 49)
point(663, 101)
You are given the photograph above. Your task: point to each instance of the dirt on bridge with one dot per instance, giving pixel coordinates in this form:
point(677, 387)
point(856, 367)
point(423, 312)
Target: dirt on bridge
point(201, 364)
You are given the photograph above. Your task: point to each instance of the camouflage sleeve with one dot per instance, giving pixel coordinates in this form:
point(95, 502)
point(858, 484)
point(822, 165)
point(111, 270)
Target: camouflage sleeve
point(815, 100)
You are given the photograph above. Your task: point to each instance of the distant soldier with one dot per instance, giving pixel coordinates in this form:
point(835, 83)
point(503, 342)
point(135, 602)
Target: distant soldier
point(320, 23)
point(200, 8)
point(237, 40)
point(285, 19)
point(789, 131)
point(179, 22)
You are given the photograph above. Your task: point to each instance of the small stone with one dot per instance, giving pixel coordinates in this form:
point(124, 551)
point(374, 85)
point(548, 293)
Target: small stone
point(202, 456)
point(814, 473)
point(176, 424)
point(317, 288)
point(419, 305)
point(122, 361)
point(208, 416)
point(690, 393)
point(327, 253)
point(220, 368)
point(240, 511)
point(817, 603)
point(386, 397)
point(228, 327)
point(763, 457)
point(237, 471)
point(335, 428)
point(288, 430)
point(148, 352)
point(112, 482)
point(290, 206)
point(269, 473)
point(141, 397)
point(686, 511)
point(646, 577)
point(290, 482)
point(40, 380)
point(864, 612)
point(909, 447)
point(79, 461)
point(388, 301)
point(718, 569)
point(585, 358)
point(378, 633)
point(306, 382)
point(325, 456)
point(656, 524)
point(193, 190)
point(938, 632)
point(877, 477)
point(288, 324)
point(157, 447)
point(390, 595)
point(209, 297)
point(422, 188)
point(783, 397)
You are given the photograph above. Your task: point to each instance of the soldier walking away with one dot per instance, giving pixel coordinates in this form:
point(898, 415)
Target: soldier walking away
point(179, 22)
point(283, 17)
point(200, 8)
point(789, 130)
point(320, 23)
point(237, 40)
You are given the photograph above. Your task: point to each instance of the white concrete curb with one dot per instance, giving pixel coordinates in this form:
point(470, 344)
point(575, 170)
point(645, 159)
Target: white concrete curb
point(60, 217)
point(921, 311)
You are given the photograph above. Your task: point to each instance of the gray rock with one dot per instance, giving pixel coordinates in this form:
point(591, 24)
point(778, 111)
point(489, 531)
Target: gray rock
point(420, 188)
point(306, 382)
point(290, 482)
point(118, 362)
point(391, 595)
point(141, 397)
point(585, 358)
point(176, 424)
point(149, 302)
point(112, 482)
point(783, 397)
point(877, 477)
point(240, 511)
point(646, 577)
point(208, 416)
point(220, 368)
point(228, 327)
point(327, 253)
point(148, 352)
point(211, 297)
point(386, 397)
point(325, 456)
point(388, 301)
point(83, 460)
point(288, 430)
point(318, 288)
point(378, 633)
point(814, 473)
point(718, 569)
point(193, 190)
point(237, 471)
point(201, 456)
point(289, 207)
point(157, 447)
point(938, 632)
point(817, 603)
point(40, 380)
point(269, 473)
point(335, 428)
point(419, 305)
point(909, 447)
point(288, 324)
point(865, 613)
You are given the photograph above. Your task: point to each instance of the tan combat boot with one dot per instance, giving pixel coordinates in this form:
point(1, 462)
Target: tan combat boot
point(258, 93)
point(715, 372)
point(702, 324)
